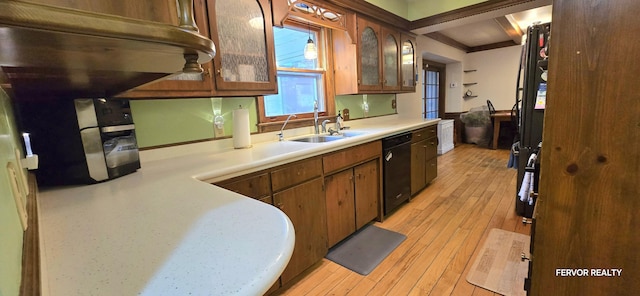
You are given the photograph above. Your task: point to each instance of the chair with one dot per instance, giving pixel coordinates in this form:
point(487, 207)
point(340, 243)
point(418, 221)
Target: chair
point(492, 110)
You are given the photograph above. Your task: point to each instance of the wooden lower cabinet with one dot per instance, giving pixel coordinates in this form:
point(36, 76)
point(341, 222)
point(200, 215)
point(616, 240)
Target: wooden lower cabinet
point(353, 199)
point(327, 198)
point(341, 208)
point(367, 192)
point(305, 206)
point(257, 185)
point(424, 158)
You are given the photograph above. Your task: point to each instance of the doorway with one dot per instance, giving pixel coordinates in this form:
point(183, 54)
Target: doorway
point(433, 91)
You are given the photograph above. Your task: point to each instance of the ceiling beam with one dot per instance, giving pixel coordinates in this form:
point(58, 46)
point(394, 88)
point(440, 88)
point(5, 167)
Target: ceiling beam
point(463, 12)
point(492, 46)
point(510, 26)
point(448, 41)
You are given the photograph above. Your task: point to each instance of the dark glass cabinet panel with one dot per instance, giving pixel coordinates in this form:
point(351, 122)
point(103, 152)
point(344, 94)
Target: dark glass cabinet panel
point(390, 61)
point(408, 67)
point(369, 57)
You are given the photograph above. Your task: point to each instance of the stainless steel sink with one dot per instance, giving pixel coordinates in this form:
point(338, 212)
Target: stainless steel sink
point(327, 138)
point(318, 139)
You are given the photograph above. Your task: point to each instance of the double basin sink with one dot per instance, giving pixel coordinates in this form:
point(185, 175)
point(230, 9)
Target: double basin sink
point(327, 138)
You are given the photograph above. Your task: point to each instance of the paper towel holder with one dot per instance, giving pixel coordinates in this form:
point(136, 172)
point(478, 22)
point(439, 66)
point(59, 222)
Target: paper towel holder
point(241, 128)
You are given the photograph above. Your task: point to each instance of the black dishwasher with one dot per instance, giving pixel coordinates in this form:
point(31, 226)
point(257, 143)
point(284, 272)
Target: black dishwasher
point(396, 170)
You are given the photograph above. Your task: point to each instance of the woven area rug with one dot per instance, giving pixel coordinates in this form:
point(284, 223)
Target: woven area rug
point(498, 266)
point(365, 249)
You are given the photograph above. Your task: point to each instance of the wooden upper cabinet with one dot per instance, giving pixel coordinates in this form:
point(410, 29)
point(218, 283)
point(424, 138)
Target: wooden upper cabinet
point(390, 59)
point(408, 62)
point(185, 85)
point(242, 31)
point(378, 58)
point(163, 11)
point(95, 48)
point(369, 70)
point(244, 64)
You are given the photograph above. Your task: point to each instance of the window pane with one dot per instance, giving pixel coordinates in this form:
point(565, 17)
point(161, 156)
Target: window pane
point(290, 43)
point(296, 94)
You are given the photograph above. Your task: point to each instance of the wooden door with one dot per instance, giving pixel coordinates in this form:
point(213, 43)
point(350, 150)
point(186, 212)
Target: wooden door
point(164, 11)
point(390, 54)
point(341, 220)
point(305, 206)
point(408, 63)
point(243, 33)
point(418, 160)
point(431, 159)
point(589, 193)
point(369, 68)
point(367, 192)
point(177, 86)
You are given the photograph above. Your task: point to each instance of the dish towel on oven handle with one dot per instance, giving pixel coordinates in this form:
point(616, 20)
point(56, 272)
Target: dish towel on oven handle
point(527, 181)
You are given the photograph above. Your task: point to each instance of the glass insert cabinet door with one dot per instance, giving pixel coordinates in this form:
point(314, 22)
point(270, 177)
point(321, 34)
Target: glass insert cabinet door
point(369, 56)
point(390, 62)
point(242, 32)
point(408, 64)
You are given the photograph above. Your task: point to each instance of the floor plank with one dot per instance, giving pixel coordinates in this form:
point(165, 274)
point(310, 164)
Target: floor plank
point(446, 224)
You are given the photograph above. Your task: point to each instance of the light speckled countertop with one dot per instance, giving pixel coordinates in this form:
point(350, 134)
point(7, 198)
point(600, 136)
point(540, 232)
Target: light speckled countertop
point(162, 231)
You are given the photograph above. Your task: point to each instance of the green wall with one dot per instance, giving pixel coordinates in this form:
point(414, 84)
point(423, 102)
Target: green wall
point(171, 121)
point(160, 122)
point(379, 104)
point(397, 7)
point(422, 9)
point(10, 226)
point(414, 10)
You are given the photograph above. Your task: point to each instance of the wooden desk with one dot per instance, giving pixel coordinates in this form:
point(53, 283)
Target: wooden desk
point(498, 117)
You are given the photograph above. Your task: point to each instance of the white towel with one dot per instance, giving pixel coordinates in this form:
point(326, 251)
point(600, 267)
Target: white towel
point(531, 192)
point(526, 186)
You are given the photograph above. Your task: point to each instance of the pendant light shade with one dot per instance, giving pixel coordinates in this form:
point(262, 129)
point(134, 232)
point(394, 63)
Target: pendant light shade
point(310, 50)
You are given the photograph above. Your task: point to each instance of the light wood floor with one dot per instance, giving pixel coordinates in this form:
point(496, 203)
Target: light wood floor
point(446, 224)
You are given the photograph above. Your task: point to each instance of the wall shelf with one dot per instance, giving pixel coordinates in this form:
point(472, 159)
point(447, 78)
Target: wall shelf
point(467, 84)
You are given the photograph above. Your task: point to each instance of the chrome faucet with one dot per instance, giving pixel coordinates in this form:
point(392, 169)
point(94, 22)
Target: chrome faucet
point(338, 125)
point(324, 125)
point(315, 117)
point(280, 135)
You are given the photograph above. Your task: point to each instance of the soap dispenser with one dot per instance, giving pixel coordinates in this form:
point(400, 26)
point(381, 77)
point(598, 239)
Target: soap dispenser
point(339, 122)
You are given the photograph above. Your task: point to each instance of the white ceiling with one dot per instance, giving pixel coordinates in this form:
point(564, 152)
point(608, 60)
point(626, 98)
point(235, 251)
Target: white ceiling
point(484, 29)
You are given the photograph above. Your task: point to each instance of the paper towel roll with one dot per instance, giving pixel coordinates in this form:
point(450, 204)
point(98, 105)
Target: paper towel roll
point(241, 129)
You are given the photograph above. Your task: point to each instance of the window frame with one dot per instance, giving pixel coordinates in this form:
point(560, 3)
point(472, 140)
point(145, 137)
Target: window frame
point(273, 123)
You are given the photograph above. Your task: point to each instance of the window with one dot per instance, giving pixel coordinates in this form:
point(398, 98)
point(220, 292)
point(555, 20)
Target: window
point(301, 82)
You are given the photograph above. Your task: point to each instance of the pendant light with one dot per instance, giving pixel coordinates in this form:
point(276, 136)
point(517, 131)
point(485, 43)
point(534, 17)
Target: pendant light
point(310, 50)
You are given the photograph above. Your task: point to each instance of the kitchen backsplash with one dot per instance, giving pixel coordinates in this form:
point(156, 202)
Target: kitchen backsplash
point(162, 122)
point(171, 121)
point(362, 106)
